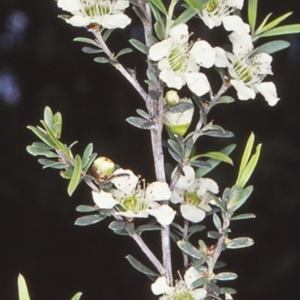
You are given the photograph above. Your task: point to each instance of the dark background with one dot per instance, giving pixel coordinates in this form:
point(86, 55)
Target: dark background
point(39, 66)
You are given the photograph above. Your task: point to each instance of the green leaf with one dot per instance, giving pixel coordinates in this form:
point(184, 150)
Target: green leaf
point(77, 296)
point(143, 114)
point(217, 221)
point(75, 179)
point(227, 290)
point(152, 76)
point(22, 288)
point(86, 154)
point(281, 30)
point(124, 51)
point(271, 47)
point(42, 135)
point(101, 60)
point(241, 242)
point(140, 267)
point(194, 4)
point(181, 107)
point(129, 227)
point(190, 249)
point(107, 34)
point(139, 46)
point(199, 282)
point(194, 229)
point(85, 40)
point(159, 4)
point(225, 276)
point(223, 100)
point(213, 162)
point(48, 116)
point(40, 151)
point(86, 208)
point(243, 217)
point(175, 146)
point(252, 13)
point(238, 196)
point(89, 220)
point(189, 146)
point(276, 22)
point(139, 122)
point(48, 163)
point(214, 234)
point(90, 50)
point(117, 225)
point(147, 227)
point(215, 155)
point(185, 16)
point(159, 28)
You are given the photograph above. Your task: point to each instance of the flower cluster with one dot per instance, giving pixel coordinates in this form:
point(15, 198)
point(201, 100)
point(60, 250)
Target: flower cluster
point(133, 199)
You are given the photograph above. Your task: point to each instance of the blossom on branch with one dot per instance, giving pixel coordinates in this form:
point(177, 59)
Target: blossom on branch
point(106, 13)
point(217, 12)
point(179, 61)
point(132, 199)
point(191, 193)
point(247, 71)
point(182, 289)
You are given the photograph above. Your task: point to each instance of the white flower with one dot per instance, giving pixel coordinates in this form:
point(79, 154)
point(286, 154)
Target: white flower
point(179, 61)
point(191, 193)
point(133, 200)
point(107, 13)
point(248, 71)
point(217, 12)
point(183, 288)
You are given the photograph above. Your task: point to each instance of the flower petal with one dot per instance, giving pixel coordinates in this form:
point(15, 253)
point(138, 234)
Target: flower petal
point(268, 90)
point(241, 43)
point(203, 53)
point(104, 200)
point(160, 286)
point(186, 180)
point(79, 21)
point(235, 23)
point(119, 20)
point(120, 5)
point(158, 191)
point(69, 5)
point(192, 213)
point(160, 49)
point(244, 92)
point(164, 214)
point(197, 83)
point(171, 79)
point(179, 34)
point(221, 58)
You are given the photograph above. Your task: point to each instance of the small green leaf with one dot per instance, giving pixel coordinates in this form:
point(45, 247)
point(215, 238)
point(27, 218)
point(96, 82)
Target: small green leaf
point(147, 227)
point(117, 225)
point(42, 135)
point(159, 28)
point(48, 116)
point(243, 217)
point(107, 34)
point(215, 155)
point(48, 163)
point(194, 229)
point(217, 221)
point(129, 227)
point(75, 176)
point(89, 220)
point(194, 4)
point(77, 296)
point(223, 100)
point(86, 154)
point(214, 234)
point(225, 276)
point(159, 4)
point(214, 162)
point(86, 208)
point(139, 122)
point(241, 242)
point(227, 290)
point(90, 50)
point(252, 13)
point(40, 151)
point(139, 46)
point(276, 22)
point(199, 282)
point(190, 249)
point(152, 76)
point(85, 40)
point(143, 114)
point(271, 47)
point(175, 146)
point(185, 16)
point(281, 30)
point(140, 267)
point(124, 51)
point(101, 60)
point(22, 288)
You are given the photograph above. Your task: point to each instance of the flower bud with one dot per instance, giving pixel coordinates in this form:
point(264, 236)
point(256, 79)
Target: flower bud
point(179, 122)
point(172, 98)
point(103, 167)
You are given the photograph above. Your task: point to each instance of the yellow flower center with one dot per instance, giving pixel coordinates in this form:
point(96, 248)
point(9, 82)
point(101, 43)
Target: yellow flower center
point(192, 198)
point(94, 8)
point(212, 5)
point(178, 59)
point(134, 203)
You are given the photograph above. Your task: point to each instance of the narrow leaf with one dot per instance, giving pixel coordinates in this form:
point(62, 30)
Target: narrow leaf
point(276, 21)
point(85, 40)
point(77, 296)
point(101, 60)
point(185, 16)
point(89, 220)
point(139, 46)
point(48, 116)
point(252, 13)
point(43, 136)
point(124, 51)
point(75, 176)
point(271, 47)
point(175, 146)
point(159, 4)
point(243, 217)
point(215, 155)
point(241, 242)
point(140, 267)
point(217, 221)
point(139, 122)
point(190, 249)
point(90, 50)
point(224, 276)
point(281, 30)
point(40, 151)
point(22, 288)
point(86, 208)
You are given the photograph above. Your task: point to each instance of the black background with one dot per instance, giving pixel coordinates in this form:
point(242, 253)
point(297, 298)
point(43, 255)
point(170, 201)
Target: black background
point(37, 235)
